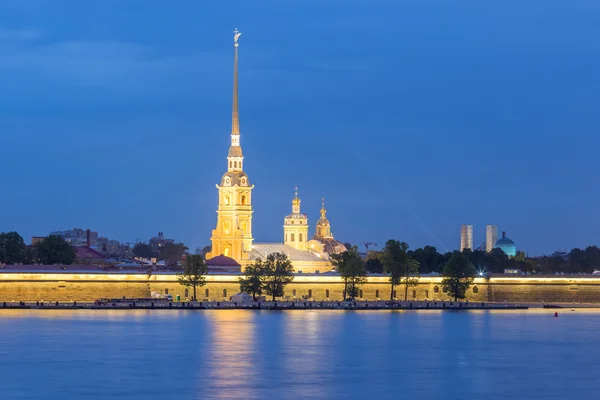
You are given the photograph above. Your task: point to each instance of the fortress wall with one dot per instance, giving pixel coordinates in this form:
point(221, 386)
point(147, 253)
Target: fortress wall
point(547, 290)
point(70, 290)
point(88, 287)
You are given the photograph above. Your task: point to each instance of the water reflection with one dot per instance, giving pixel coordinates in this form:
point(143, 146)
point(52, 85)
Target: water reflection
point(231, 363)
point(147, 354)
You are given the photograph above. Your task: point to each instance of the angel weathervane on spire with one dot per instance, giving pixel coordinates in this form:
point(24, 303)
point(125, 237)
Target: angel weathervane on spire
point(236, 35)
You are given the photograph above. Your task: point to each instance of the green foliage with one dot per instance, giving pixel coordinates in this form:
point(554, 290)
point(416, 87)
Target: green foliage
point(429, 259)
point(143, 250)
point(13, 249)
point(54, 250)
point(172, 253)
point(402, 268)
point(252, 281)
point(277, 273)
point(373, 263)
point(194, 269)
point(351, 268)
point(458, 275)
point(205, 250)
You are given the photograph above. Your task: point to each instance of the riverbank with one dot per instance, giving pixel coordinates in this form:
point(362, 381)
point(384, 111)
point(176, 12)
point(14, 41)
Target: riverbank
point(265, 305)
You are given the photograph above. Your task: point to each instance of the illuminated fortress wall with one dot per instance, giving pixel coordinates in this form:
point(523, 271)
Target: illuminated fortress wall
point(88, 287)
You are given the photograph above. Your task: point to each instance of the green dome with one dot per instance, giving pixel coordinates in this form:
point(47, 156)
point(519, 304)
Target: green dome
point(506, 245)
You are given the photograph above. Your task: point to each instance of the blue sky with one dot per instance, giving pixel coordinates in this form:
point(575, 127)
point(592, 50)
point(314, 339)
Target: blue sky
point(409, 117)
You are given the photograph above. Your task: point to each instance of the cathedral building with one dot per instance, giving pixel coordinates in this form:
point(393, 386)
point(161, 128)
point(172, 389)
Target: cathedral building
point(232, 236)
point(323, 241)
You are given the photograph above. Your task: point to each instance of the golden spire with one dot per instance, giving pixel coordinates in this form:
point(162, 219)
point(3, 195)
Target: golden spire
point(235, 121)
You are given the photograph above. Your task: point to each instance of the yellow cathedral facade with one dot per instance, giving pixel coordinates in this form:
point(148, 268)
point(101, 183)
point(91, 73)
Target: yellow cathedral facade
point(232, 236)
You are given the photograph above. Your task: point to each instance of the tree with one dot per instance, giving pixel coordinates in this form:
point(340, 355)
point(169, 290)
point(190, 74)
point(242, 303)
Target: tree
point(351, 268)
point(277, 273)
point(194, 269)
point(143, 250)
point(410, 276)
point(355, 273)
point(402, 268)
point(429, 259)
point(172, 253)
point(458, 275)
point(55, 250)
point(13, 249)
point(520, 256)
point(252, 282)
point(205, 250)
point(373, 263)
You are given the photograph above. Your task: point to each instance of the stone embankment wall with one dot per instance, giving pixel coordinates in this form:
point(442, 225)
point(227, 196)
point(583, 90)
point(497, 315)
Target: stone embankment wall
point(88, 287)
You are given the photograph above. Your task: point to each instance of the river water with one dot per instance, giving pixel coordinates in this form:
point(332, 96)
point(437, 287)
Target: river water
point(372, 355)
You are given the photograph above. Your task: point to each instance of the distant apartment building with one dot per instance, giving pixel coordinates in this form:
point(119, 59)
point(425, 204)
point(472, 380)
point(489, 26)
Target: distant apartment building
point(160, 240)
point(466, 237)
point(491, 237)
point(78, 237)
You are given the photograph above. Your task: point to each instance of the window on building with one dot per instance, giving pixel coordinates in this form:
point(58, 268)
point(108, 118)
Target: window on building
point(436, 289)
point(426, 294)
point(327, 293)
point(227, 200)
point(475, 289)
point(294, 293)
point(206, 293)
point(243, 200)
point(225, 293)
point(235, 164)
point(377, 293)
point(414, 294)
point(292, 237)
point(186, 293)
point(444, 290)
point(300, 237)
point(395, 294)
point(360, 293)
point(286, 237)
point(166, 291)
point(310, 293)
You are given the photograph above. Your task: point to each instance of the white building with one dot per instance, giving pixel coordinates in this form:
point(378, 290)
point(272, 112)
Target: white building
point(466, 237)
point(491, 236)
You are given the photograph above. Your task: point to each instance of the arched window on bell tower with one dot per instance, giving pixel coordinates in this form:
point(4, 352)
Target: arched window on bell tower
point(292, 237)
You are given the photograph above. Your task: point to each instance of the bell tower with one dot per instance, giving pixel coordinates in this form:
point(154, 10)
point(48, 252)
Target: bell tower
point(232, 236)
point(295, 226)
point(323, 226)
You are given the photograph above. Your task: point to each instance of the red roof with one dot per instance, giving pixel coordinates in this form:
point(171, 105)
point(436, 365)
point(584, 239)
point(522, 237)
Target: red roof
point(87, 253)
point(222, 261)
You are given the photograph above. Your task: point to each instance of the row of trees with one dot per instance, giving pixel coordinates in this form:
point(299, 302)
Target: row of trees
point(402, 267)
point(51, 250)
point(269, 276)
point(430, 260)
